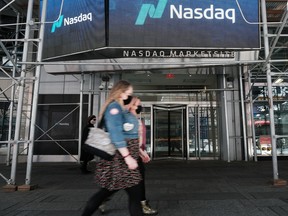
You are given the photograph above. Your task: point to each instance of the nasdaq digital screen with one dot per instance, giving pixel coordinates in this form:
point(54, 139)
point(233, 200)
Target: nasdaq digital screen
point(83, 29)
point(73, 26)
point(219, 24)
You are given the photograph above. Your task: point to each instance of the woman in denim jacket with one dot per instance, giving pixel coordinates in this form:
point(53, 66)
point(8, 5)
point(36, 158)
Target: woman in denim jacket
point(131, 122)
point(122, 171)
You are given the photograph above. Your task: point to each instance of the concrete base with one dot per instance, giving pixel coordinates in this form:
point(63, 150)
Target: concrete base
point(279, 182)
point(9, 188)
point(27, 187)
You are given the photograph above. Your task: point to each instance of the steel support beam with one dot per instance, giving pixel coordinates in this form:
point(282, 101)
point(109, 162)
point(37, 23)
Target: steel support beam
point(35, 97)
point(12, 179)
point(270, 93)
point(12, 101)
point(226, 116)
point(243, 113)
point(80, 117)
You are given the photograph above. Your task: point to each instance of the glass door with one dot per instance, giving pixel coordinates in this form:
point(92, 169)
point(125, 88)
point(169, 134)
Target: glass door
point(202, 130)
point(169, 137)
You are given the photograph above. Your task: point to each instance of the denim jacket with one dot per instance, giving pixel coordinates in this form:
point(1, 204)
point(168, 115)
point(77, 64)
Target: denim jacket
point(115, 118)
point(131, 125)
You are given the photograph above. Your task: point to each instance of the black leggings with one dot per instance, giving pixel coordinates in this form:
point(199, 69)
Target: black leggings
point(142, 183)
point(97, 199)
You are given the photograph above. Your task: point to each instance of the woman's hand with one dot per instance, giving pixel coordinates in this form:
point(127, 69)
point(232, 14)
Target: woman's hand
point(131, 162)
point(144, 156)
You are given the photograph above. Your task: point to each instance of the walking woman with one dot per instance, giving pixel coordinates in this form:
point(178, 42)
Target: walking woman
point(136, 108)
point(122, 172)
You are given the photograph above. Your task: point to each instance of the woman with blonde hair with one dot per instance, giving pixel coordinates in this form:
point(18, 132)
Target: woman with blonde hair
point(122, 171)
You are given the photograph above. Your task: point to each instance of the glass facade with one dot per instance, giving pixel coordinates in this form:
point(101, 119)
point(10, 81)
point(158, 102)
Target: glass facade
point(181, 131)
point(262, 119)
point(179, 124)
point(203, 132)
point(169, 131)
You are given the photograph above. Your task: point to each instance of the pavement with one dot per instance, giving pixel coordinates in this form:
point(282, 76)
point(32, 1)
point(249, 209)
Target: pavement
point(175, 188)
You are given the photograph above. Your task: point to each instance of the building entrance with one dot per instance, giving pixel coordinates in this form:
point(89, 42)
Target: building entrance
point(203, 132)
point(182, 131)
point(169, 137)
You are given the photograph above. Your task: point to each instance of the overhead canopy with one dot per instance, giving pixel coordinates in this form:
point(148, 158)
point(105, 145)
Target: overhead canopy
point(127, 64)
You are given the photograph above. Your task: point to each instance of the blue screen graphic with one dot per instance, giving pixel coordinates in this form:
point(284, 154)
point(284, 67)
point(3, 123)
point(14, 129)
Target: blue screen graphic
point(187, 23)
point(79, 27)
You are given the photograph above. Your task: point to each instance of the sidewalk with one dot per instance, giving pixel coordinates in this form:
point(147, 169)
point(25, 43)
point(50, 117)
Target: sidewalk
point(175, 188)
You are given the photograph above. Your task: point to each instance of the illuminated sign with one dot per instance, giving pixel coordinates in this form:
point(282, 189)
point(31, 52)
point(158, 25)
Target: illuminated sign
point(183, 53)
point(278, 92)
point(88, 29)
point(180, 12)
point(74, 27)
point(151, 11)
point(209, 24)
point(199, 13)
point(70, 21)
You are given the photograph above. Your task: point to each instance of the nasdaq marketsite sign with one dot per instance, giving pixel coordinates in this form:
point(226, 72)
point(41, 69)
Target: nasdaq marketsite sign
point(210, 24)
point(99, 29)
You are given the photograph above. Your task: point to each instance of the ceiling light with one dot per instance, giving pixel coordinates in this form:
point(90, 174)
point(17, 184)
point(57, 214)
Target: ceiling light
point(278, 80)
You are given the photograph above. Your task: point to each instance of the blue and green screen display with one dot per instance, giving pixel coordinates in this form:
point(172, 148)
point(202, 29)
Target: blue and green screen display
point(87, 25)
point(183, 23)
point(76, 28)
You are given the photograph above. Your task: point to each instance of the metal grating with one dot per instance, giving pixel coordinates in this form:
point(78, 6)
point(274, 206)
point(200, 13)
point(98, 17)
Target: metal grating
point(275, 9)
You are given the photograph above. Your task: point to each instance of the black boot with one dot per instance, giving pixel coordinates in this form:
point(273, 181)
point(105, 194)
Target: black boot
point(83, 168)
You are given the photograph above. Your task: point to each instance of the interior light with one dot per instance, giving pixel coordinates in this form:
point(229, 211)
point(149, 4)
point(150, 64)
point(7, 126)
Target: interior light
point(170, 76)
point(110, 85)
point(278, 80)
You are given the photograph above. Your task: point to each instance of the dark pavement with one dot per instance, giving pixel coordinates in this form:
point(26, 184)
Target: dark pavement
point(175, 188)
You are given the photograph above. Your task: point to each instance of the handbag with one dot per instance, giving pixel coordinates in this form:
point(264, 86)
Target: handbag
point(99, 144)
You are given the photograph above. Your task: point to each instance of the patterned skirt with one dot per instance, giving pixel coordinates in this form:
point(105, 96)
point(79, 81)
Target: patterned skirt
point(115, 174)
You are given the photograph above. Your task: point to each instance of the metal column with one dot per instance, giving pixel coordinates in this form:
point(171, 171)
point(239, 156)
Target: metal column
point(21, 95)
point(35, 96)
point(226, 116)
point(187, 132)
point(252, 119)
point(12, 103)
point(243, 114)
point(270, 94)
point(91, 81)
point(80, 117)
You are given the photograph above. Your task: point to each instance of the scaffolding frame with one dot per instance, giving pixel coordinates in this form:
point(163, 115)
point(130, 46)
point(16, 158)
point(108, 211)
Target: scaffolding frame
point(25, 83)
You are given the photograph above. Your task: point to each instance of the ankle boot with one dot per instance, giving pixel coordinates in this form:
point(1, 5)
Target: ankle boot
point(102, 208)
point(147, 210)
point(83, 168)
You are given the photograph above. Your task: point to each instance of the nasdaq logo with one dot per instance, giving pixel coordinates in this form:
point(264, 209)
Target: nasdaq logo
point(151, 11)
point(210, 13)
point(186, 13)
point(71, 20)
point(57, 24)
